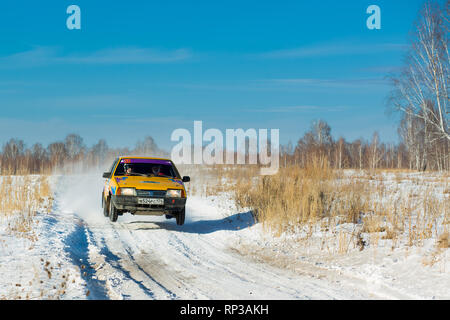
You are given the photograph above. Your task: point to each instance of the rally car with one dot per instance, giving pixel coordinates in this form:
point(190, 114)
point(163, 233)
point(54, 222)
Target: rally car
point(144, 186)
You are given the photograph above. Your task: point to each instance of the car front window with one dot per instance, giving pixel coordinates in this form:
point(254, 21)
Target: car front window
point(145, 169)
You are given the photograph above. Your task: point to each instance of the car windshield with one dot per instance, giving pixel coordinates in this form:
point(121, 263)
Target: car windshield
point(147, 169)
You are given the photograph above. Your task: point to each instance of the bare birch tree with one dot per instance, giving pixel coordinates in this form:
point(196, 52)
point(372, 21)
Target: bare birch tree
point(421, 88)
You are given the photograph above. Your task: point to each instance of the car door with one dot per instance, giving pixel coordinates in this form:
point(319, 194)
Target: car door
point(106, 187)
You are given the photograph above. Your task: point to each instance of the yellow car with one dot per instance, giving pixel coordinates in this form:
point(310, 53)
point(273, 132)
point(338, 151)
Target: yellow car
point(144, 186)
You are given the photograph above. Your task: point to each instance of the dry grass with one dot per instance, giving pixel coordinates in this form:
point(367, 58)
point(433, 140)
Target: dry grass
point(296, 197)
point(389, 207)
point(20, 198)
point(443, 241)
point(384, 207)
point(24, 193)
point(50, 283)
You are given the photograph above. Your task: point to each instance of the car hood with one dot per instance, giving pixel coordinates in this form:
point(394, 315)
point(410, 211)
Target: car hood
point(149, 183)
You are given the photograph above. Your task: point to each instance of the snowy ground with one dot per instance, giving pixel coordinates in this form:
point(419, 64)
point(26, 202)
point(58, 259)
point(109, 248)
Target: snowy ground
point(220, 253)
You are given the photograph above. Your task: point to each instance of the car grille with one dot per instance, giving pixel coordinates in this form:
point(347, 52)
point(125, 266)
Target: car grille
point(151, 193)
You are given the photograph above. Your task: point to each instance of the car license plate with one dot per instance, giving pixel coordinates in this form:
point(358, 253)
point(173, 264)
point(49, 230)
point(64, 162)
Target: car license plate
point(150, 201)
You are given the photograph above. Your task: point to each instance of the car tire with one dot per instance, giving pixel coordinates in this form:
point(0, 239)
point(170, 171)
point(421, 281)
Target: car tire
point(113, 213)
point(180, 217)
point(105, 206)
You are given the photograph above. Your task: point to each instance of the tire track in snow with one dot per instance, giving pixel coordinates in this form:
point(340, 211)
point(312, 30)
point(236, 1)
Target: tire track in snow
point(127, 264)
point(124, 278)
point(77, 246)
point(95, 245)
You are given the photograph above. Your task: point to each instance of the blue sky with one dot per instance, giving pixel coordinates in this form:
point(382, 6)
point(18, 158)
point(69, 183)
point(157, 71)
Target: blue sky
point(140, 68)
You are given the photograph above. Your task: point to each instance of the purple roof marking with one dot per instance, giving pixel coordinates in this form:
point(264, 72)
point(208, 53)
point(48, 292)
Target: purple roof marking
point(152, 161)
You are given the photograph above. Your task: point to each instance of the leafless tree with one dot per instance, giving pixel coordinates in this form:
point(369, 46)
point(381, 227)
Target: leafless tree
point(38, 159)
point(421, 89)
point(99, 153)
point(147, 147)
point(57, 153)
point(12, 156)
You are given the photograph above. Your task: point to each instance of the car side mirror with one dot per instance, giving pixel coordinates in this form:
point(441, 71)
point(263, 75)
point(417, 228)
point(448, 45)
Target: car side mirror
point(186, 179)
point(106, 174)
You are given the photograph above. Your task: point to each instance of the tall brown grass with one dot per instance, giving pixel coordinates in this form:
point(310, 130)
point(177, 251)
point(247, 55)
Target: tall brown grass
point(394, 207)
point(299, 198)
point(20, 198)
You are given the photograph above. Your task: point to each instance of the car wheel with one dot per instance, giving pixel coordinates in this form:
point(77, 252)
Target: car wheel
point(105, 207)
point(113, 214)
point(180, 217)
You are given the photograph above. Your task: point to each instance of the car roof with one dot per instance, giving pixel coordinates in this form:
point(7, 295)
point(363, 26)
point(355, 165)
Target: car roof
point(142, 157)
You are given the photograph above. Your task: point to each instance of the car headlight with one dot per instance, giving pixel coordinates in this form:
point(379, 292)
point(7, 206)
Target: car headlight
point(128, 191)
point(173, 193)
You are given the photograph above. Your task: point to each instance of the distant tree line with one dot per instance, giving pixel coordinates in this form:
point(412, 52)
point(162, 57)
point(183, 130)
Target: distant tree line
point(318, 144)
point(71, 155)
point(67, 156)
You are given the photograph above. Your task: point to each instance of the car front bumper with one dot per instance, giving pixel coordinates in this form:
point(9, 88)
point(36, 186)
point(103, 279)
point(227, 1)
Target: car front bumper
point(131, 204)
